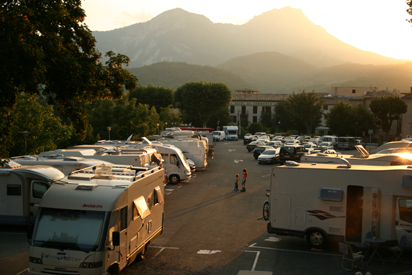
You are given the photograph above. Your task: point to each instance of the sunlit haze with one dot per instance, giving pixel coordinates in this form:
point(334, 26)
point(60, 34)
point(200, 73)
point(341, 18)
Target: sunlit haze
point(378, 26)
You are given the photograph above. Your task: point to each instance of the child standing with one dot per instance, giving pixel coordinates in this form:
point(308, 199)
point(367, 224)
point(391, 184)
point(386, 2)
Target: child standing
point(244, 180)
point(237, 183)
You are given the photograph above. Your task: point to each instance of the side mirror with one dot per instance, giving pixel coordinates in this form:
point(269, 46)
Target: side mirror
point(116, 238)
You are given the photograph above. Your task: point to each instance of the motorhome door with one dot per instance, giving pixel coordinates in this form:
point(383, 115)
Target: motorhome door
point(404, 219)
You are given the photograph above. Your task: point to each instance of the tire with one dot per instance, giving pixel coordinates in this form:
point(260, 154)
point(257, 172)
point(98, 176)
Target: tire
point(266, 211)
point(174, 179)
point(316, 239)
point(143, 252)
point(114, 270)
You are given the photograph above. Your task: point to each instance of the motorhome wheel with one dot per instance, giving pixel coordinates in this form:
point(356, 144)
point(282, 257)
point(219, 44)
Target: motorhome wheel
point(114, 270)
point(174, 179)
point(316, 239)
point(266, 211)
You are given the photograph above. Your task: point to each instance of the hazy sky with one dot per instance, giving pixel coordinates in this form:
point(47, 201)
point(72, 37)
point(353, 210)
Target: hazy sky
point(373, 25)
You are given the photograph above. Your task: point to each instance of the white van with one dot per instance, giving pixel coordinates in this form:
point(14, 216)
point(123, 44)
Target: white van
point(219, 135)
point(333, 139)
point(97, 222)
point(332, 202)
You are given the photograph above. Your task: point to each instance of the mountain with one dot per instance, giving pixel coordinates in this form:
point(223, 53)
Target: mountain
point(180, 36)
point(175, 74)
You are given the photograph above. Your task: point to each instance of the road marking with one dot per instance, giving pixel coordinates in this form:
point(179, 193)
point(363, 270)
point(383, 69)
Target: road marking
point(265, 175)
point(232, 150)
point(289, 250)
point(208, 252)
point(238, 160)
point(162, 248)
point(273, 239)
point(256, 259)
point(22, 271)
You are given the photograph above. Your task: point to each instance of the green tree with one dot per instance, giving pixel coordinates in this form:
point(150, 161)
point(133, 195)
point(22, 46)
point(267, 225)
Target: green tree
point(201, 101)
point(46, 131)
point(364, 120)
point(282, 117)
point(266, 118)
point(167, 114)
point(256, 127)
point(339, 119)
point(387, 109)
point(305, 108)
point(159, 97)
point(46, 49)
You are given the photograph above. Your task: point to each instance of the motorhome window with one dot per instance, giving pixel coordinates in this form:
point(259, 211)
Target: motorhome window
point(330, 194)
point(405, 210)
point(165, 157)
point(158, 196)
point(13, 190)
point(123, 218)
point(39, 188)
point(173, 159)
point(66, 229)
point(113, 226)
point(141, 207)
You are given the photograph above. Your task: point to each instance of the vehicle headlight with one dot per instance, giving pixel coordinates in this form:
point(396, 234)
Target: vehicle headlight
point(35, 260)
point(91, 265)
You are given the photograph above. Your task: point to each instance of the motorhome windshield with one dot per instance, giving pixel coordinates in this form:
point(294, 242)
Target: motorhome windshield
point(232, 132)
point(183, 160)
point(69, 229)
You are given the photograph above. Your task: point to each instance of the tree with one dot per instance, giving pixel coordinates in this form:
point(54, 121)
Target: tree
point(255, 127)
point(47, 50)
point(46, 131)
point(167, 114)
point(364, 120)
point(266, 119)
point(282, 117)
point(387, 109)
point(159, 97)
point(409, 10)
point(305, 108)
point(200, 101)
point(339, 119)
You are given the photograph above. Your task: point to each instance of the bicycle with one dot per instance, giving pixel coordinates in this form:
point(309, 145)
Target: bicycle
point(266, 207)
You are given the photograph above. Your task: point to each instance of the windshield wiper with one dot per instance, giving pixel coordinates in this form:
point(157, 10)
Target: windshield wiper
point(60, 245)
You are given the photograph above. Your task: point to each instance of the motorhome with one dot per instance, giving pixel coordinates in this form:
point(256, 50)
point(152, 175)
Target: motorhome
point(22, 189)
point(231, 132)
point(65, 164)
point(219, 135)
point(333, 139)
point(97, 222)
point(346, 143)
point(332, 202)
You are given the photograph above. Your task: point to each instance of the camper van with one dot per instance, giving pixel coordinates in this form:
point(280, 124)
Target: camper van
point(231, 132)
point(219, 135)
point(97, 222)
point(22, 189)
point(332, 202)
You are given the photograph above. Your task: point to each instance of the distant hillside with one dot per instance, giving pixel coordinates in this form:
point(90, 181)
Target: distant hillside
point(180, 36)
point(175, 74)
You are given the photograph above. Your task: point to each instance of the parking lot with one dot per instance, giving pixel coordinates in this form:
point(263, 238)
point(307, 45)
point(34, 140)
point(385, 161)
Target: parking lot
point(209, 229)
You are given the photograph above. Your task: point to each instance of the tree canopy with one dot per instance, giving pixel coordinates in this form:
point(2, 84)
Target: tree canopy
point(159, 97)
point(387, 109)
point(47, 50)
point(201, 101)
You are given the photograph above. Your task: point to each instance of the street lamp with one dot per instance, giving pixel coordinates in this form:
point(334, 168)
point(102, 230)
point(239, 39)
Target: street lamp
point(25, 134)
point(108, 129)
point(158, 130)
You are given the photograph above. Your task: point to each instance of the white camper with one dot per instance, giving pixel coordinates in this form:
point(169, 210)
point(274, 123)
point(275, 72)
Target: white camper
point(231, 132)
point(97, 222)
point(22, 189)
point(219, 135)
point(330, 202)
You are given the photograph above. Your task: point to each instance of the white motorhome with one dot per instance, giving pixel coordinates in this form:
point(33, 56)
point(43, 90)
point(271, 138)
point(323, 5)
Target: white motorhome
point(330, 202)
point(65, 164)
point(97, 222)
point(195, 149)
point(22, 189)
point(231, 132)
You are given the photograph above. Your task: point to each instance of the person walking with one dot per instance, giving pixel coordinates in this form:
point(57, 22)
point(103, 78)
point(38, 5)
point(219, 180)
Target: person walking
point(237, 183)
point(244, 180)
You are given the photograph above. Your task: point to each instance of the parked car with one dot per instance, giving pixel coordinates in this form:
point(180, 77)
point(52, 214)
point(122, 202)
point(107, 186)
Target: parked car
point(310, 147)
point(292, 142)
point(325, 146)
point(274, 144)
point(269, 156)
point(248, 138)
point(254, 144)
point(259, 149)
point(291, 152)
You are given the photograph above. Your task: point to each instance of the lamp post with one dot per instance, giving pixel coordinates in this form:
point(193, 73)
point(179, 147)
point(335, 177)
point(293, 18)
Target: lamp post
point(158, 130)
point(108, 129)
point(25, 134)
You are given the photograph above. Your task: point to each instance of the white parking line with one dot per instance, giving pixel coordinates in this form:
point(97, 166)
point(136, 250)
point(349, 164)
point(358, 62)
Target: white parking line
point(289, 250)
point(22, 271)
point(256, 259)
point(162, 248)
point(208, 252)
point(237, 160)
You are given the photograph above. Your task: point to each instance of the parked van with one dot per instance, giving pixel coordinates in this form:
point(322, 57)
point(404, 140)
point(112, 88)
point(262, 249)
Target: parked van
point(332, 202)
point(97, 222)
point(333, 139)
point(219, 135)
point(22, 189)
point(347, 143)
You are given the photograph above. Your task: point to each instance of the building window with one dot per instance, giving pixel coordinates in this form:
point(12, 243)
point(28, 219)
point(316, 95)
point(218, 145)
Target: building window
point(325, 107)
point(255, 109)
point(232, 109)
point(254, 119)
point(353, 91)
point(243, 110)
point(266, 109)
